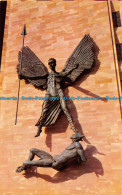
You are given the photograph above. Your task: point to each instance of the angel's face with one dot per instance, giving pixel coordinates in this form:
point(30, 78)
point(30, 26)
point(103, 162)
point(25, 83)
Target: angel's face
point(52, 63)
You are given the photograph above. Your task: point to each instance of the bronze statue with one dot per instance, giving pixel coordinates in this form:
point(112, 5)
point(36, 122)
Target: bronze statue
point(35, 73)
point(73, 153)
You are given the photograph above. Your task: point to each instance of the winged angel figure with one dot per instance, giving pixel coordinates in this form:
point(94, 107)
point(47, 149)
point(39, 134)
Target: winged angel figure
point(35, 73)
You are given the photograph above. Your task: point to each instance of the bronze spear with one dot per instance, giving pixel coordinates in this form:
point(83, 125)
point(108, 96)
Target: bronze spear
point(23, 33)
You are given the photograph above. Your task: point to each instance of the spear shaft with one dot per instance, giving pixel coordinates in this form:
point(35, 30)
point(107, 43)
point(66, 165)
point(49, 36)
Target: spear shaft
point(23, 33)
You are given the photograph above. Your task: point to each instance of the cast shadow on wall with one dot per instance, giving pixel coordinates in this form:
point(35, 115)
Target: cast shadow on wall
point(92, 165)
point(62, 120)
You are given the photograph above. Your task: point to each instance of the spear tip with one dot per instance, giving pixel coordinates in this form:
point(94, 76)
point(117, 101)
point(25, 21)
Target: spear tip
point(24, 30)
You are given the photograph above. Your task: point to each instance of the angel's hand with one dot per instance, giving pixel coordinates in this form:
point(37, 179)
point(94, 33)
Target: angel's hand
point(64, 73)
point(75, 66)
point(20, 75)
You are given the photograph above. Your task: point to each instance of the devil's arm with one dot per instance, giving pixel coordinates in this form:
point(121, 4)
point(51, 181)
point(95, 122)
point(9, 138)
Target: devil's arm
point(80, 151)
point(82, 154)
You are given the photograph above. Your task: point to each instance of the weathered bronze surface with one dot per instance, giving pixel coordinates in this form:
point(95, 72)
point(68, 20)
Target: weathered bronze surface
point(35, 73)
point(73, 153)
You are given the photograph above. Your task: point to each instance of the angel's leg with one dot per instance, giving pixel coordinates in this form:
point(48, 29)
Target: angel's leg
point(39, 130)
point(42, 118)
point(64, 108)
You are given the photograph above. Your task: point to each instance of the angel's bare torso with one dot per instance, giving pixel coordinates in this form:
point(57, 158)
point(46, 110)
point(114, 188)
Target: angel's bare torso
point(53, 84)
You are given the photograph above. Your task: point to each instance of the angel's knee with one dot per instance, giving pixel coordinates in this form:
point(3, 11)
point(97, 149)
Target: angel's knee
point(65, 111)
point(63, 105)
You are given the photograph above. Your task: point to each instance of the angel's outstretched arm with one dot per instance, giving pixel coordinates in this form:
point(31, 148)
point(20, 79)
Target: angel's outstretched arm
point(66, 72)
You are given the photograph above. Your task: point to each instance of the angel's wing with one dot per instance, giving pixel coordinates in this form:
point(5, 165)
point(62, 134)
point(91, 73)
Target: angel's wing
point(83, 57)
point(32, 69)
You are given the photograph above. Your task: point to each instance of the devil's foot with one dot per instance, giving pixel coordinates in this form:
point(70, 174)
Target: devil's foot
point(20, 169)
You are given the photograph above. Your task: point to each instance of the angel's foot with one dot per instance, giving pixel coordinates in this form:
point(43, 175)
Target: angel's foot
point(38, 131)
point(74, 130)
point(77, 136)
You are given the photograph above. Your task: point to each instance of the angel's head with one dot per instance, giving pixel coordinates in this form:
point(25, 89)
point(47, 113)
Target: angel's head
point(52, 63)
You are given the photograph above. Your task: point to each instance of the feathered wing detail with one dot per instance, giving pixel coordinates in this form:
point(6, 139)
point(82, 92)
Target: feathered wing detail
point(82, 57)
point(32, 70)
